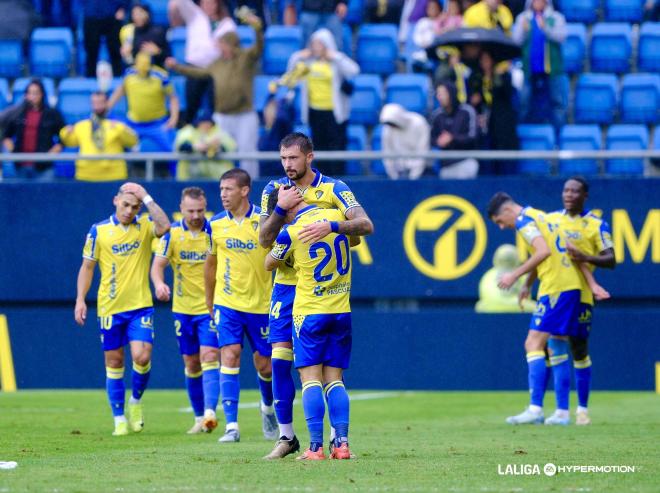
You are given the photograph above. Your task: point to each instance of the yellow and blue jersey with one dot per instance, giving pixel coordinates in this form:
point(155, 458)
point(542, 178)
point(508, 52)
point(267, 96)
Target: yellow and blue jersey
point(557, 273)
point(124, 255)
point(186, 251)
point(589, 233)
point(323, 268)
point(324, 192)
point(146, 96)
point(242, 282)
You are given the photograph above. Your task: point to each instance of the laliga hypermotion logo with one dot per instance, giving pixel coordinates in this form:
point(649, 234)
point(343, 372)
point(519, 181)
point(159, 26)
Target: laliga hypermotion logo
point(437, 226)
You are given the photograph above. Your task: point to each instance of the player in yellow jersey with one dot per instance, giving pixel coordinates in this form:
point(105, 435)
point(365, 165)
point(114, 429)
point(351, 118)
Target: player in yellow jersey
point(237, 294)
point(322, 335)
point(185, 248)
point(121, 245)
point(297, 154)
point(557, 309)
point(589, 242)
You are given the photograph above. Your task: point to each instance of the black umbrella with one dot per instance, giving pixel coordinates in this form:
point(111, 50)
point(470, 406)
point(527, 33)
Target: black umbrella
point(499, 45)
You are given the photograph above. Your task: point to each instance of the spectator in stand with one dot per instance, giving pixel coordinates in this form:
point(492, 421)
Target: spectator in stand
point(489, 14)
point(541, 30)
point(33, 126)
point(652, 11)
point(103, 18)
point(325, 95)
point(206, 23)
point(206, 138)
point(454, 128)
point(383, 11)
point(99, 135)
point(147, 89)
point(317, 14)
point(233, 79)
point(142, 35)
point(277, 118)
point(404, 132)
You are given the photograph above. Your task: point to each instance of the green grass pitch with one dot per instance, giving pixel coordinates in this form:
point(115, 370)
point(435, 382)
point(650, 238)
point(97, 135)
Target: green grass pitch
point(405, 442)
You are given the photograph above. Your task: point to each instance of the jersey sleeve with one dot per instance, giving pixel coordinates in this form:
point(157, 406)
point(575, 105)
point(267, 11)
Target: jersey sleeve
point(604, 237)
point(527, 227)
point(90, 250)
point(268, 189)
point(282, 247)
point(163, 249)
point(210, 244)
point(343, 198)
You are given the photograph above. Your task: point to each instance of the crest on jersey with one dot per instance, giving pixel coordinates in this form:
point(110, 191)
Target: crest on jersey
point(255, 225)
point(319, 194)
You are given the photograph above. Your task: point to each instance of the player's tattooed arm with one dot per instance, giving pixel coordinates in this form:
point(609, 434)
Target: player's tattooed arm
point(357, 223)
point(269, 227)
point(271, 263)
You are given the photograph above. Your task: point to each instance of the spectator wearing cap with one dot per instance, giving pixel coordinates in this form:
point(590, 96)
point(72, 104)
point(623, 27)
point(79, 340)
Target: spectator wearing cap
point(404, 132)
point(103, 18)
point(142, 35)
point(233, 78)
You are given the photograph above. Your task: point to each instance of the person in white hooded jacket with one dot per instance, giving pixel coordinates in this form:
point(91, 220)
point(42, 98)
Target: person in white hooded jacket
point(404, 132)
point(325, 94)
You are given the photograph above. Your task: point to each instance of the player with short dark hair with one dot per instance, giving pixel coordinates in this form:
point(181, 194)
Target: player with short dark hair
point(185, 248)
point(121, 245)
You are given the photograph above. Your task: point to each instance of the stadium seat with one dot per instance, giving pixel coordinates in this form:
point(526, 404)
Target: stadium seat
point(357, 141)
point(246, 36)
point(74, 98)
point(611, 47)
point(640, 98)
point(377, 167)
point(656, 139)
point(648, 49)
point(261, 94)
point(580, 10)
point(347, 40)
point(366, 100)
point(579, 138)
point(4, 94)
point(536, 138)
point(66, 169)
point(377, 48)
point(627, 137)
point(176, 36)
point(596, 98)
point(159, 12)
point(19, 86)
point(574, 48)
point(410, 91)
point(11, 58)
point(280, 42)
point(624, 10)
point(50, 52)
point(355, 13)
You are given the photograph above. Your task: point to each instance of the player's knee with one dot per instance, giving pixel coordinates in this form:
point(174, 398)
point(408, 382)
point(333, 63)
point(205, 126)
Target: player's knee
point(142, 358)
point(230, 357)
point(262, 364)
point(209, 355)
point(579, 348)
point(192, 364)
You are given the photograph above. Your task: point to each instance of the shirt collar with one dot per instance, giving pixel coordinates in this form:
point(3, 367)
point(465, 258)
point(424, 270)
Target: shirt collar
point(247, 214)
point(315, 182)
point(303, 211)
point(117, 222)
point(185, 227)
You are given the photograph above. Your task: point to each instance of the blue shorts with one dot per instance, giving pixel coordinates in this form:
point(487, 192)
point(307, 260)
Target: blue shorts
point(322, 339)
point(280, 319)
point(193, 331)
point(585, 316)
point(119, 329)
point(233, 325)
point(557, 314)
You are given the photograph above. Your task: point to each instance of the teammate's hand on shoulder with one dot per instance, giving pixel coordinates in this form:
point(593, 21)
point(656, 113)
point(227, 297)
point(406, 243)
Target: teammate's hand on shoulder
point(80, 313)
point(315, 232)
point(163, 292)
point(289, 198)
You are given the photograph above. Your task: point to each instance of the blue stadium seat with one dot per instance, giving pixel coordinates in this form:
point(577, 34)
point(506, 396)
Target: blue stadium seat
point(579, 138)
point(11, 58)
point(66, 169)
point(355, 13)
point(580, 10)
point(177, 39)
point(246, 36)
point(302, 128)
point(377, 48)
point(640, 98)
point(347, 40)
point(648, 49)
point(656, 139)
point(536, 138)
point(19, 86)
point(159, 12)
point(4, 94)
point(357, 141)
point(50, 52)
point(377, 167)
point(627, 137)
point(611, 47)
point(279, 44)
point(596, 98)
point(574, 48)
point(410, 91)
point(74, 98)
point(624, 10)
point(366, 100)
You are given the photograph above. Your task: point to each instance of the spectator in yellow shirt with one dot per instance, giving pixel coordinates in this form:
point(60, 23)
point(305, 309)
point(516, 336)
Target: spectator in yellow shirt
point(99, 135)
point(489, 14)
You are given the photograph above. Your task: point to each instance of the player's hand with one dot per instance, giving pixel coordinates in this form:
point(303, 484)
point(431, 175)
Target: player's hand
point(507, 280)
point(138, 190)
point(80, 313)
point(315, 232)
point(163, 292)
point(522, 296)
point(575, 254)
point(170, 62)
point(209, 307)
point(289, 198)
point(600, 293)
